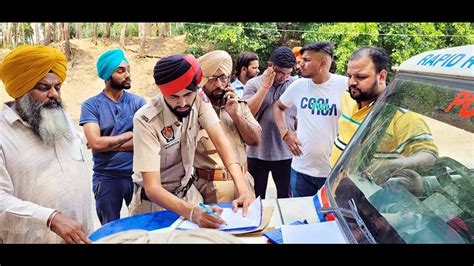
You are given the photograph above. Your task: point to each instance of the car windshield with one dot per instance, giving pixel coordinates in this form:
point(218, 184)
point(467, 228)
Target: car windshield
point(428, 203)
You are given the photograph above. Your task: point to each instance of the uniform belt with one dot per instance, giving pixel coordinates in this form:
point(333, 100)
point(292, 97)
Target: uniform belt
point(217, 174)
point(213, 174)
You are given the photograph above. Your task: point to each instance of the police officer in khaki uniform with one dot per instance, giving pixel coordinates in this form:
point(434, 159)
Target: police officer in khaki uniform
point(165, 138)
point(240, 127)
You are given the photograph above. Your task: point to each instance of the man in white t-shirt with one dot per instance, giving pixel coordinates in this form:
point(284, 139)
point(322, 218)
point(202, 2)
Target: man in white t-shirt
point(317, 97)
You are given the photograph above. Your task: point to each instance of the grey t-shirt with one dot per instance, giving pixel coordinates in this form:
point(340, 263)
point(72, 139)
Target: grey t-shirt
point(272, 147)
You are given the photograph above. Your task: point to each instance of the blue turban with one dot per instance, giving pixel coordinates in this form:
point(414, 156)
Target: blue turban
point(108, 62)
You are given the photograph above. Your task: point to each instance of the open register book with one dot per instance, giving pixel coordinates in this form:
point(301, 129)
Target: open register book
point(235, 220)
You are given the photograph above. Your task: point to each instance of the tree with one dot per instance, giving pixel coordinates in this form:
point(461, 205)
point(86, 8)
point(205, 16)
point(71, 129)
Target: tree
point(123, 32)
point(346, 38)
point(78, 30)
point(107, 30)
point(94, 33)
point(7, 33)
point(166, 30)
point(67, 44)
point(260, 38)
point(36, 33)
point(142, 35)
point(47, 33)
point(59, 32)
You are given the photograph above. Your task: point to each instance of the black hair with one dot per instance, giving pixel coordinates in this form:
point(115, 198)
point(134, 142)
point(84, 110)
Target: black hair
point(378, 56)
point(243, 59)
point(319, 46)
point(283, 57)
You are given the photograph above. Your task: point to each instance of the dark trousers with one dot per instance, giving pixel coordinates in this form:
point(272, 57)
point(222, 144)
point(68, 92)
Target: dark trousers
point(303, 185)
point(109, 194)
point(259, 169)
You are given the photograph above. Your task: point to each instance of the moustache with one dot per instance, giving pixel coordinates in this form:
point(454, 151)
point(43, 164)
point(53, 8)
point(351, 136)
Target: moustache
point(53, 104)
point(219, 92)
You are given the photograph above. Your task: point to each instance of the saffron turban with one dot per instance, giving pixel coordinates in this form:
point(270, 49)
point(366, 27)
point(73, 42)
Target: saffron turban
point(214, 61)
point(176, 72)
point(296, 52)
point(26, 65)
point(108, 63)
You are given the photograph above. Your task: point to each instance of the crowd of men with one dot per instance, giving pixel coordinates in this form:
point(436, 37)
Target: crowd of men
point(212, 134)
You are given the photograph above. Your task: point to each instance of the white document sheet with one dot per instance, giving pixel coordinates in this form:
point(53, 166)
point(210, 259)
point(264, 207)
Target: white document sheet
point(235, 220)
point(315, 233)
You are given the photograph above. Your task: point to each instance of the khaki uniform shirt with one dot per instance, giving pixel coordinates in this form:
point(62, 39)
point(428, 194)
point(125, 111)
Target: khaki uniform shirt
point(164, 144)
point(208, 158)
point(35, 180)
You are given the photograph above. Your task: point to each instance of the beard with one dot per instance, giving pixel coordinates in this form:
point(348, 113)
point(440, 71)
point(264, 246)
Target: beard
point(360, 96)
point(249, 75)
point(126, 84)
point(180, 114)
point(214, 95)
point(47, 119)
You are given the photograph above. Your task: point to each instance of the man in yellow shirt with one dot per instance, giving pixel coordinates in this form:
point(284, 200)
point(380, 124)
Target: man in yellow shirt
point(407, 143)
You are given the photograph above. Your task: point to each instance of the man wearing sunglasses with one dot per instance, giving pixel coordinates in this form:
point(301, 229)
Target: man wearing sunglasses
point(212, 179)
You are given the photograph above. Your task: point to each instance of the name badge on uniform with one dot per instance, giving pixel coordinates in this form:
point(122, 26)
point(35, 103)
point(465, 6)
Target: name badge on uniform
point(171, 144)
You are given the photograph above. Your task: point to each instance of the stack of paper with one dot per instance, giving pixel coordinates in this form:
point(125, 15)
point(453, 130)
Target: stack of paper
point(235, 220)
point(315, 233)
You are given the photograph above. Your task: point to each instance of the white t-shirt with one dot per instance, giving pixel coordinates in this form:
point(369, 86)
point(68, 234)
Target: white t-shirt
point(318, 110)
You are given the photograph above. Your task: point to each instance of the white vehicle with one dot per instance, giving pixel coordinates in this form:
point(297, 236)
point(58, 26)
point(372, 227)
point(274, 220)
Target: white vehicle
point(438, 86)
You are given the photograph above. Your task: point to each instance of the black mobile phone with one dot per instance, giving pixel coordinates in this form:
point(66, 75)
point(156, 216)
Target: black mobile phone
point(224, 97)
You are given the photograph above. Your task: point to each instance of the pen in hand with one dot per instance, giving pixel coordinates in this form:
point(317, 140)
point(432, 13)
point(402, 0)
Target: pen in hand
point(209, 210)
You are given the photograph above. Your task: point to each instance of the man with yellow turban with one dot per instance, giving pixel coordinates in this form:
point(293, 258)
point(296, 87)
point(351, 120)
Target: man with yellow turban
point(107, 119)
point(165, 133)
point(45, 195)
point(212, 179)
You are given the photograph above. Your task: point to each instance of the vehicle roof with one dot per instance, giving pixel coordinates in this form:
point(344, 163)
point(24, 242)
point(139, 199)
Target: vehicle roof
point(454, 62)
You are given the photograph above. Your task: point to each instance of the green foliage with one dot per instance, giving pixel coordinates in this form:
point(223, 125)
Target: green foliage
point(132, 29)
point(346, 38)
point(115, 29)
point(404, 40)
point(177, 29)
point(196, 51)
point(234, 38)
point(461, 33)
point(400, 40)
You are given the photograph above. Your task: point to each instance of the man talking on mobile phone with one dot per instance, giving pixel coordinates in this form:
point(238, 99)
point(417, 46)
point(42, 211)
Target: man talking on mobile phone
point(212, 179)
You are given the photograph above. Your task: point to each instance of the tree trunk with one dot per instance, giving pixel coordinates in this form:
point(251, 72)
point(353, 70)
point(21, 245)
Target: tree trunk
point(166, 30)
point(123, 32)
point(107, 30)
point(94, 33)
point(6, 34)
point(14, 34)
point(78, 31)
point(47, 33)
point(142, 34)
point(157, 29)
point(36, 33)
point(67, 44)
point(59, 36)
point(21, 33)
point(147, 29)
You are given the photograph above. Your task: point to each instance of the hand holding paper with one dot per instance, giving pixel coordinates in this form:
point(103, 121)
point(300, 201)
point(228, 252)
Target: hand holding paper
point(234, 220)
point(245, 200)
point(208, 216)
